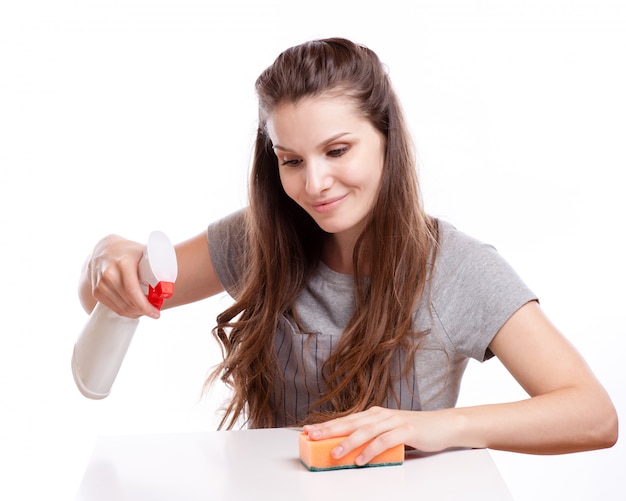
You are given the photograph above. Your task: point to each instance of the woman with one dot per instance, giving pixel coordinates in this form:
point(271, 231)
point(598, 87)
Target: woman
point(355, 312)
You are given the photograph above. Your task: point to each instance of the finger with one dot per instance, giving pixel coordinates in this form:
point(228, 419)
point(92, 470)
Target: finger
point(354, 427)
point(137, 299)
point(116, 302)
point(118, 288)
point(379, 445)
point(335, 427)
point(375, 428)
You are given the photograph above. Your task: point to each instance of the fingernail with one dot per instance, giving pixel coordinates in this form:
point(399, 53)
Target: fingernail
point(337, 452)
point(315, 434)
point(359, 460)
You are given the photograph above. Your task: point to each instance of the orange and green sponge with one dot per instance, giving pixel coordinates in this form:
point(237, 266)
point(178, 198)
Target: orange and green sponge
point(316, 455)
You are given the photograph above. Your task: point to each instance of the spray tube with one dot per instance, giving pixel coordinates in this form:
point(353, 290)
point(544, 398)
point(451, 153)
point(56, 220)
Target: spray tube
point(102, 344)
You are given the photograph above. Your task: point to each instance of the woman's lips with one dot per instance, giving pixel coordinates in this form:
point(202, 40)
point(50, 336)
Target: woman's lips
point(328, 204)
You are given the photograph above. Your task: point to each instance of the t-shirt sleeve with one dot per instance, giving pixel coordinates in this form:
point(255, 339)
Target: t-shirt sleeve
point(477, 291)
point(226, 239)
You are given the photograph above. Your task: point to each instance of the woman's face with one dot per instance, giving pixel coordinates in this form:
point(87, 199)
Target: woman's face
point(330, 160)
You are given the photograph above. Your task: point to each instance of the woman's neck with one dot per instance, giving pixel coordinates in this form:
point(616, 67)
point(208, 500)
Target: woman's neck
point(338, 253)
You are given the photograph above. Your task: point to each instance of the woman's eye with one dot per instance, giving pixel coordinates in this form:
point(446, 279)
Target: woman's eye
point(337, 152)
point(295, 161)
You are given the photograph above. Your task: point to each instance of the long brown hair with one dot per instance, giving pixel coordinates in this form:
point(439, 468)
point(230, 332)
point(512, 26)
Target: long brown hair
point(283, 247)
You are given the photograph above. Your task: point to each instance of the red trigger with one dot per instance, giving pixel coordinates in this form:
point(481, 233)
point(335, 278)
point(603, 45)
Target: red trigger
point(163, 290)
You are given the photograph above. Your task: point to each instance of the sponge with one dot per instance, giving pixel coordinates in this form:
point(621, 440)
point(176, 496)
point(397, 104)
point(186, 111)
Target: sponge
point(316, 454)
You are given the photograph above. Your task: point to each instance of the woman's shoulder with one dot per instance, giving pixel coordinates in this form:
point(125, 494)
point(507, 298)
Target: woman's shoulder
point(465, 259)
point(454, 243)
point(235, 221)
point(473, 290)
point(227, 243)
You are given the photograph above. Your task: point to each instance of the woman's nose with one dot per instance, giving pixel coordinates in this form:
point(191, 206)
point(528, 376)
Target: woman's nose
point(318, 178)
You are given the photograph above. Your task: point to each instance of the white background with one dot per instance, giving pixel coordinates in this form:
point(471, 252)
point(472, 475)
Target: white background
point(129, 116)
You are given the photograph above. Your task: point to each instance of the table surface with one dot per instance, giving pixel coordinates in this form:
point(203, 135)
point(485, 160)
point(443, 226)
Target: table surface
point(264, 464)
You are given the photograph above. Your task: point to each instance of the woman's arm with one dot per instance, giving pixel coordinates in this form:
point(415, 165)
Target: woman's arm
point(568, 409)
point(109, 276)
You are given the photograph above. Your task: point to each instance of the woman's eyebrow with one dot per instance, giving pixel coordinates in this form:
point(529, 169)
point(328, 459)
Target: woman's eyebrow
point(332, 139)
point(322, 144)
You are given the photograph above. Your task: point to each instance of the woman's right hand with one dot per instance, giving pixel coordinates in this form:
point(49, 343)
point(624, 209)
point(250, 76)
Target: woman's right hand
point(110, 276)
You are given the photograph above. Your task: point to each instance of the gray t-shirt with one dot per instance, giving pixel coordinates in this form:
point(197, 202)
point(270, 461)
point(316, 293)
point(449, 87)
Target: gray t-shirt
point(473, 291)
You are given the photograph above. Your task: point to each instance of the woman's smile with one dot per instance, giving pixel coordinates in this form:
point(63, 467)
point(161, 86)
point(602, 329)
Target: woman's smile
point(328, 205)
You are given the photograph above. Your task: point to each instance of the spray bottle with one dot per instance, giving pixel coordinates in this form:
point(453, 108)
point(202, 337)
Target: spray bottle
point(103, 342)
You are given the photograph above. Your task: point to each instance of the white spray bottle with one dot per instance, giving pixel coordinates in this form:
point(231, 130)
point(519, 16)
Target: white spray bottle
point(103, 342)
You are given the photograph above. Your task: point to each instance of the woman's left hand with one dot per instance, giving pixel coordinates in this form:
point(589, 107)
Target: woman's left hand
point(427, 431)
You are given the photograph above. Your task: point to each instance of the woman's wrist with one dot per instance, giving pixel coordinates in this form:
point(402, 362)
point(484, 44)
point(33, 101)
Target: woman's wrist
point(463, 429)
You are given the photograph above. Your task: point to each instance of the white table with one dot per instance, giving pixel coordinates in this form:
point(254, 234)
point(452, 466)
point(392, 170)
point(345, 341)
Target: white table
point(264, 465)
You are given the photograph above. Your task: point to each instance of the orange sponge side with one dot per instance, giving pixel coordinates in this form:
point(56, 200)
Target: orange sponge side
point(316, 454)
